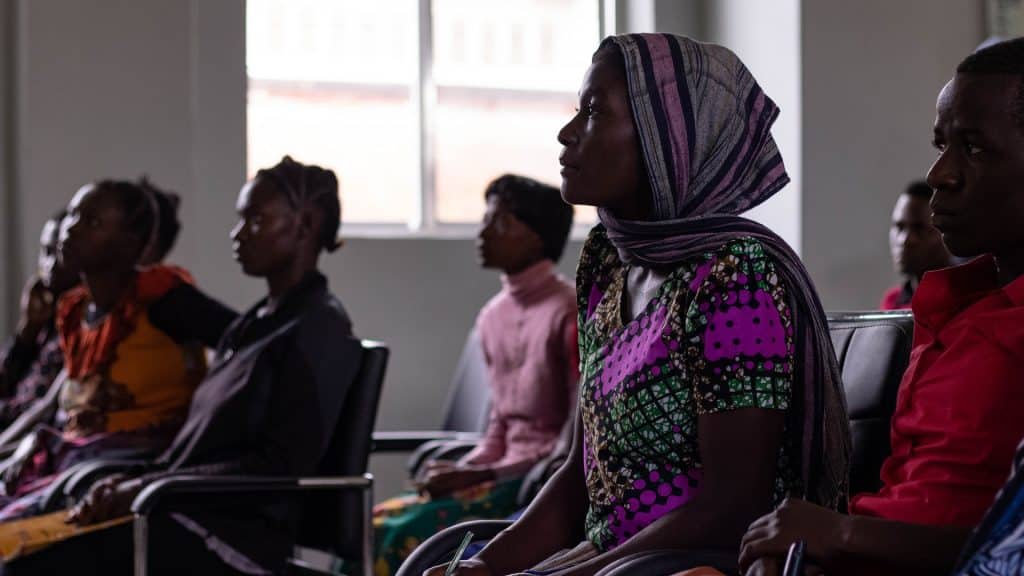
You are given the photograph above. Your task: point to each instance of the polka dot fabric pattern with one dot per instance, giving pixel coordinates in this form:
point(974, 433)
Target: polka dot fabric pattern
point(718, 336)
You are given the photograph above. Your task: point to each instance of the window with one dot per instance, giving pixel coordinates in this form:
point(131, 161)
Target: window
point(416, 104)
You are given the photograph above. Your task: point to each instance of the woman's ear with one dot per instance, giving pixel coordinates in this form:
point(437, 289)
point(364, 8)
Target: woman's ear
point(134, 248)
point(309, 224)
point(305, 223)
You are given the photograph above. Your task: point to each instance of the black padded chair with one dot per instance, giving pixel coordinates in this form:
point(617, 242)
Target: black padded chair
point(335, 522)
point(465, 420)
point(873, 349)
point(336, 517)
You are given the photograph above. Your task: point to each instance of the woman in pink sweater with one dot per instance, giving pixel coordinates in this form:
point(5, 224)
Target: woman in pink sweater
point(528, 335)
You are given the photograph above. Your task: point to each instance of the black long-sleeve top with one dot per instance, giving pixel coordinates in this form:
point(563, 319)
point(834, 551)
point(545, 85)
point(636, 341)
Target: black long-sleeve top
point(268, 406)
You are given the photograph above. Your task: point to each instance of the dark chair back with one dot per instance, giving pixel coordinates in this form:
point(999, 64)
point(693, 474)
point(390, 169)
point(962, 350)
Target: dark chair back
point(873, 350)
point(470, 396)
point(333, 522)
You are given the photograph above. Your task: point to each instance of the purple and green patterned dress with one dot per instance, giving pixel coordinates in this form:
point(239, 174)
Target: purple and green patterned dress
point(717, 337)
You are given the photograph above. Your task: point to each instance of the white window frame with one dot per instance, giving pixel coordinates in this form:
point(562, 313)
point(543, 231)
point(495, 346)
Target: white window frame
point(423, 222)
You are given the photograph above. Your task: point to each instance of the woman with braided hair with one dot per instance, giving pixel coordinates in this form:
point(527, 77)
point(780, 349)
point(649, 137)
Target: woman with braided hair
point(127, 380)
point(267, 408)
point(167, 223)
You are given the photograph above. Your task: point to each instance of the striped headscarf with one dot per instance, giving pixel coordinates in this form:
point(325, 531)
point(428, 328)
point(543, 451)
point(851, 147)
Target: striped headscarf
point(704, 129)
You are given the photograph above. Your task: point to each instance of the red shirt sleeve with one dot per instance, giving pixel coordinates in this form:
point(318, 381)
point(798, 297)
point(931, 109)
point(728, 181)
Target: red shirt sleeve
point(891, 299)
point(957, 425)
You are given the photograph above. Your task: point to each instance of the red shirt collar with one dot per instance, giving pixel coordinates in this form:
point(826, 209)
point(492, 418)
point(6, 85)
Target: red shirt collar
point(944, 294)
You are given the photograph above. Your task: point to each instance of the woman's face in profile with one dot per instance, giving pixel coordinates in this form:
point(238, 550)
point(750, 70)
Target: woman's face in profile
point(95, 236)
point(601, 160)
point(266, 237)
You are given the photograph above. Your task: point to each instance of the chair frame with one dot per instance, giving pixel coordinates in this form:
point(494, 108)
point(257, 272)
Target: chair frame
point(150, 499)
point(422, 443)
point(73, 483)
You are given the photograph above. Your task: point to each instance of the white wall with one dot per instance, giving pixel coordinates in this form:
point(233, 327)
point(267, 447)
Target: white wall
point(747, 27)
point(110, 88)
point(766, 36)
point(217, 121)
point(102, 89)
point(7, 284)
point(871, 72)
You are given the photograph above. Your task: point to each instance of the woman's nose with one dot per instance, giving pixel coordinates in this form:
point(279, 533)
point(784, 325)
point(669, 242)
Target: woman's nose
point(567, 135)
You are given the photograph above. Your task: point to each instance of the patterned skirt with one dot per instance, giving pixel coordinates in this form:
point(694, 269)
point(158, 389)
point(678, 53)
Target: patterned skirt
point(402, 523)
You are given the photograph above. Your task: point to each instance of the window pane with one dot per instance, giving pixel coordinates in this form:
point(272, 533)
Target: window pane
point(507, 75)
point(331, 82)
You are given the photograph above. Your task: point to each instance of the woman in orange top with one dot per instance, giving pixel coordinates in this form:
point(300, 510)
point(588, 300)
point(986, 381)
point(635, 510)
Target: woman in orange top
point(126, 385)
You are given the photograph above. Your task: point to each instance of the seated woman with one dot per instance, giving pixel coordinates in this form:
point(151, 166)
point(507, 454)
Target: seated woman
point(528, 335)
point(33, 359)
point(267, 406)
point(709, 389)
point(126, 384)
point(958, 414)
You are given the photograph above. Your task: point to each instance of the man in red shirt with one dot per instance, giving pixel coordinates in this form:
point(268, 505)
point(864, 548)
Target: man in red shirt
point(960, 409)
point(916, 245)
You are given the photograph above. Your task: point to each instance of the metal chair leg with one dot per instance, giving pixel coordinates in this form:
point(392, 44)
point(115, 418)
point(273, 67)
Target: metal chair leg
point(140, 534)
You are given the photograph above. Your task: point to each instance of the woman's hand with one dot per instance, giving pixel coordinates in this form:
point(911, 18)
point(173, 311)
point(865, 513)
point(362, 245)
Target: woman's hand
point(471, 567)
point(108, 499)
point(37, 309)
point(444, 482)
point(821, 529)
point(435, 466)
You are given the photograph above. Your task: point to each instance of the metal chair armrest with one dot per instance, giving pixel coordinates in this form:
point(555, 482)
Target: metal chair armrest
point(73, 482)
point(438, 450)
point(154, 494)
point(87, 473)
point(151, 496)
point(410, 440)
point(7, 450)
